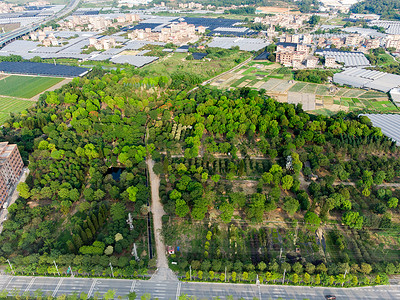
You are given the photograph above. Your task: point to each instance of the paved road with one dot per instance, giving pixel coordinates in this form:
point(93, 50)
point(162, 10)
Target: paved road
point(165, 290)
point(26, 29)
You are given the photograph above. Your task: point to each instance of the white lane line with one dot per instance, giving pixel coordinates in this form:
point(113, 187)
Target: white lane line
point(178, 290)
point(57, 287)
point(8, 282)
point(133, 286)
point(91, 288)
point(30, 284)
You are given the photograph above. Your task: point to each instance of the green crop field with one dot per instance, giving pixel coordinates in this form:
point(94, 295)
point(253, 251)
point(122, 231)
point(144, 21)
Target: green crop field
point(11, 105)
point(26, 86)
point(297, 87)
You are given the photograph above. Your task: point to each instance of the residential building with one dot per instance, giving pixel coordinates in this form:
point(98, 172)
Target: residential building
point(177, 33)
point(330, 62)
point(311, 62)
point(11, 166)
point(103, 44)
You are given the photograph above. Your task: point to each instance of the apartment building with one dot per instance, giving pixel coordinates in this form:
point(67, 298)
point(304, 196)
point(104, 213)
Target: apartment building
point(11, 166)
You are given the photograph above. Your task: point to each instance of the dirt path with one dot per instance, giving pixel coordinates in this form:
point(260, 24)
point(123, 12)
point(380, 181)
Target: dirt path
point(163, 271)
point(53, 88)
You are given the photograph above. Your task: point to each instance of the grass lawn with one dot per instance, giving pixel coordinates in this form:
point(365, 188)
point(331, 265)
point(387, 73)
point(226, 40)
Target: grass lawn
point(11, 105)
point(206, 69)
point(26, 86)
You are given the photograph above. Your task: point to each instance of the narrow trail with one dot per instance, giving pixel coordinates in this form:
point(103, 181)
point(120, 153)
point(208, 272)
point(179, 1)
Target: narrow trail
point(163, 273)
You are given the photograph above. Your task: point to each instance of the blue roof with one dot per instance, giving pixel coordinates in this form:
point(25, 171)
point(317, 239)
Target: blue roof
point(199, 55)
point(32, 68)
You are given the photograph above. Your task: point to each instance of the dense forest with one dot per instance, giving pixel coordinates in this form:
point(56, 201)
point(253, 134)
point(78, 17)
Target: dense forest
point(236, 161)
point(387, 9)
point(247, 182)
point(86, 147)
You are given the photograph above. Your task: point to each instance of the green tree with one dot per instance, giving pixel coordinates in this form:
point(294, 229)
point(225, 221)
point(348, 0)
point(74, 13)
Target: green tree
point(23, 190)
point(291, 205)
point(287, 182)
point(353, 220)
point(181, 208)
point(227, 210)
point(109, 294)
point(393, 202)
point(312, 219)
point(132, 191)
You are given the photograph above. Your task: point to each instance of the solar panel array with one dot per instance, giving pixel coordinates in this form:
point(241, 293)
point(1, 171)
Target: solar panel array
point(198, 55)
point(389, 124)
point(42, 69)
point(362, 78)
point(245, 44)
point(350, 59)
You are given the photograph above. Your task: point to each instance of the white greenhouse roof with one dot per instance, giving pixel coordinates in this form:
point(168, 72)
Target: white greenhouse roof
point(245, 44)
point(350, 59)
point(389, 124)
point(362, 78)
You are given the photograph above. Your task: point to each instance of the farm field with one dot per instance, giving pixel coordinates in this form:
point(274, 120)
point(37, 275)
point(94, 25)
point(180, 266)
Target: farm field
point(26, 86)
point(278, 81)
point(12, 105)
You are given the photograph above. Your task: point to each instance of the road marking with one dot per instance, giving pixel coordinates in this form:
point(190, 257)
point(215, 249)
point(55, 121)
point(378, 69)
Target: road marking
point(8, 282)
point(178, 290)
point(91, 288)
point(133, 286)
point(30, 284)
point(57, 287)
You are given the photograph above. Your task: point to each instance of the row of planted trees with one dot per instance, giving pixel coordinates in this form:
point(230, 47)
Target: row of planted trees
point(344, 280)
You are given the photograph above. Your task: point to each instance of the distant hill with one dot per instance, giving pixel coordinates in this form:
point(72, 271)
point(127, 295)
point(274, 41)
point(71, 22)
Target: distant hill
point(388, 9)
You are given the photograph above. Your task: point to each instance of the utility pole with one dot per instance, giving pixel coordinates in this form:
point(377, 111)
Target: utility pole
point(283, 279)
point(112, 272)
point(280, 254)
point(344, 277)
point(12, 270)
point(225, 274)
point(190, 268)
point(56, 267)
point(70, 269)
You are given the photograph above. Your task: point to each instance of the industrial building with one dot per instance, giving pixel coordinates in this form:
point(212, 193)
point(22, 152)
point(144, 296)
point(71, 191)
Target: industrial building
point(370, 79)
point(11, 166)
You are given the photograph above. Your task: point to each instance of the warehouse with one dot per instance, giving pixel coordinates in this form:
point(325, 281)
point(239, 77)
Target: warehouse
point(370, 79)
